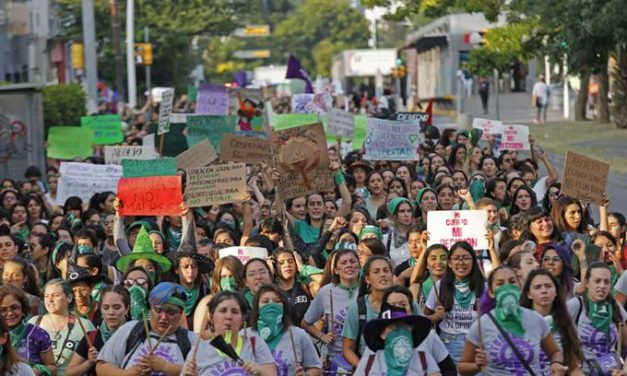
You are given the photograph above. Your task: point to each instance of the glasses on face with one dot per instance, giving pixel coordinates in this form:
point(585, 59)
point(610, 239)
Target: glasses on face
point(258, 273)
point(554, 194)
point(463, 260)
point(167, 309)
point(12, 308)
point(548, 259)
point(129, 282)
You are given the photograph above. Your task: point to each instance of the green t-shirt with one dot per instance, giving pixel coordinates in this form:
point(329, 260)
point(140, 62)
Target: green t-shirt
point(307, 232)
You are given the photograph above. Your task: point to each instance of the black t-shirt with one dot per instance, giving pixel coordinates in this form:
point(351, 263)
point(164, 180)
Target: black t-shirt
point(83, 349)
point(300, 301)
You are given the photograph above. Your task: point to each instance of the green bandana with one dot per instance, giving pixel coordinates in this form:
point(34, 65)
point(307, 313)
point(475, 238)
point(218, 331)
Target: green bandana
point(463, 293)
point(138, 302)
point(192, 298)
point(350, 289)
point(97, 291)
point(427, 286)
point(17, 334)
point(600, 314)
point(228, 284)
point(270, 324)
point(398, 350)
point(105, 332)
point(248, 295)
point(507, 311)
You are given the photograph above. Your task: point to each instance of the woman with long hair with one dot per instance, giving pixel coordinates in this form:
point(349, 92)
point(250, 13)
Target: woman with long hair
point(377, 276)
point(60, 324)
point(452, 303)
point(555, 260)
point(21, 274)
point(395, 240)
point(115, 302)
point(417, 238)
point(427, 200)
point(543, 294)
point(567, 216)
point(509, 338)
point(288, 280)
point(10, 364)
point(40, 247)
point(522, 262)
point(331, 303)
point(292, 348)
point(598, 318)
point(257, 272)
point(31, 343)
point(523, 199)
point(227, 317)
point(378, 192)
point(428, 271)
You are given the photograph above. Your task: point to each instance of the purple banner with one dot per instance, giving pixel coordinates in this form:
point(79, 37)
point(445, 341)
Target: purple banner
point(212, 100)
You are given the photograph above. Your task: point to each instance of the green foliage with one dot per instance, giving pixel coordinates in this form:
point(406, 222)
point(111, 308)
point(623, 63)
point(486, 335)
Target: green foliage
point(331, 25)
point(63, 105)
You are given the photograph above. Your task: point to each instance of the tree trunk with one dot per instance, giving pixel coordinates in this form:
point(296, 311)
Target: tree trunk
point(604, 87)
point(582, 98)
point(619, 97)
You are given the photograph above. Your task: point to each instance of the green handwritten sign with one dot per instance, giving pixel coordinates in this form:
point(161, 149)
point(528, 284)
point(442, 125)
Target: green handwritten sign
point(70, 142)
point(360, 131)
point(151, 167)
point(107, 128)
point(285, 121)
point(209, 127)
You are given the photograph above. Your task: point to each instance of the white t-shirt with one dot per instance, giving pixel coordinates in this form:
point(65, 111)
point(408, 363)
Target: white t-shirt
point(114, 350)
point(541, 92)
point(459, 319)
point(283, 353)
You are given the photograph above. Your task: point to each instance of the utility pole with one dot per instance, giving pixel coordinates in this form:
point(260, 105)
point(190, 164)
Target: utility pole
point(496, 94)
point(91, 66)
point(130, 53)
point(147, 66)
point(117, 49)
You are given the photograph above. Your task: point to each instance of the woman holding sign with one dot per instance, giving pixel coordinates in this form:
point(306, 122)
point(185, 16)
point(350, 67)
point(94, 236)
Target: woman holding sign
point(453, 301)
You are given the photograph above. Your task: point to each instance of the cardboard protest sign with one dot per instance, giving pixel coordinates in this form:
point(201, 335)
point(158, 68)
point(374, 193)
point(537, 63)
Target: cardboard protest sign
point(212, 100)
point(153, 195)
point(391, 140)
point(165, 108)
point(249, 107)
point(341, 123)
point(245, 149)
point(85, 179)
point(209, 127)
point(300, 156)
point(215, 185)
point(585, 178)
point(488, 127)
point(285, 121)
point(63, 142)
point(198, 155)
point(150, 167)
point(515, 137)
point(107, 128)
point(450, 226)
point(244, 254)
point(115, 154)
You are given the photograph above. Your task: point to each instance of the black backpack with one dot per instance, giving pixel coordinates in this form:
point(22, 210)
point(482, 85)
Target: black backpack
point(138, 336)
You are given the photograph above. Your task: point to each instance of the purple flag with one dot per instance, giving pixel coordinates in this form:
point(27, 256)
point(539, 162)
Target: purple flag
point(295, 70)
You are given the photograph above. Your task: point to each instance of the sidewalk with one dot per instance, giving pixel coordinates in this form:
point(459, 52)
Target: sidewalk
point(514, 108)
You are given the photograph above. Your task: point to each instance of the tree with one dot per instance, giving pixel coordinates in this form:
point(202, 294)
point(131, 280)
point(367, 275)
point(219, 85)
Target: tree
point(317, 31)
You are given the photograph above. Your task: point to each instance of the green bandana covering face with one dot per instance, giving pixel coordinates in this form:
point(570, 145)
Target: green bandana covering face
point(84, 249)
point(507, 311)
point(398, 351)
point(600, 314)
point(228, 284)
point(138, 302)
point(270, 324)
point(192, 298)
point(463, 293)
point(476, 189)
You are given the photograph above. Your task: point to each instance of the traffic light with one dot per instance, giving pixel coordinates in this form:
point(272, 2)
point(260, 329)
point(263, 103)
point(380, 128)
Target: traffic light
point(399, 72)
point(143, 53)
point(77, 52)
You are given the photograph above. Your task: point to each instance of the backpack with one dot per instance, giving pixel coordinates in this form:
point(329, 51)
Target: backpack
point(138, 336)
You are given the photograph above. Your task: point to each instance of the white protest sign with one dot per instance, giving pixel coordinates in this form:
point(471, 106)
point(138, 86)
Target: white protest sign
point(148, 141)
point(244, 254)
point(178, 118)
point(85, 179)
point(488, 126)
point(341, 123)
point(447, 227)
point(115, 154)
point(515, 137)
point(167, 100)
point(389, 140)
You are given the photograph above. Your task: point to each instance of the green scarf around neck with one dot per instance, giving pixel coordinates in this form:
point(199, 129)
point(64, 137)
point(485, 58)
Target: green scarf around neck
point(507, 311)
point(600, 314)
point(17, 334)
point(192, 299)
point(350, 289)
point(463, 293)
